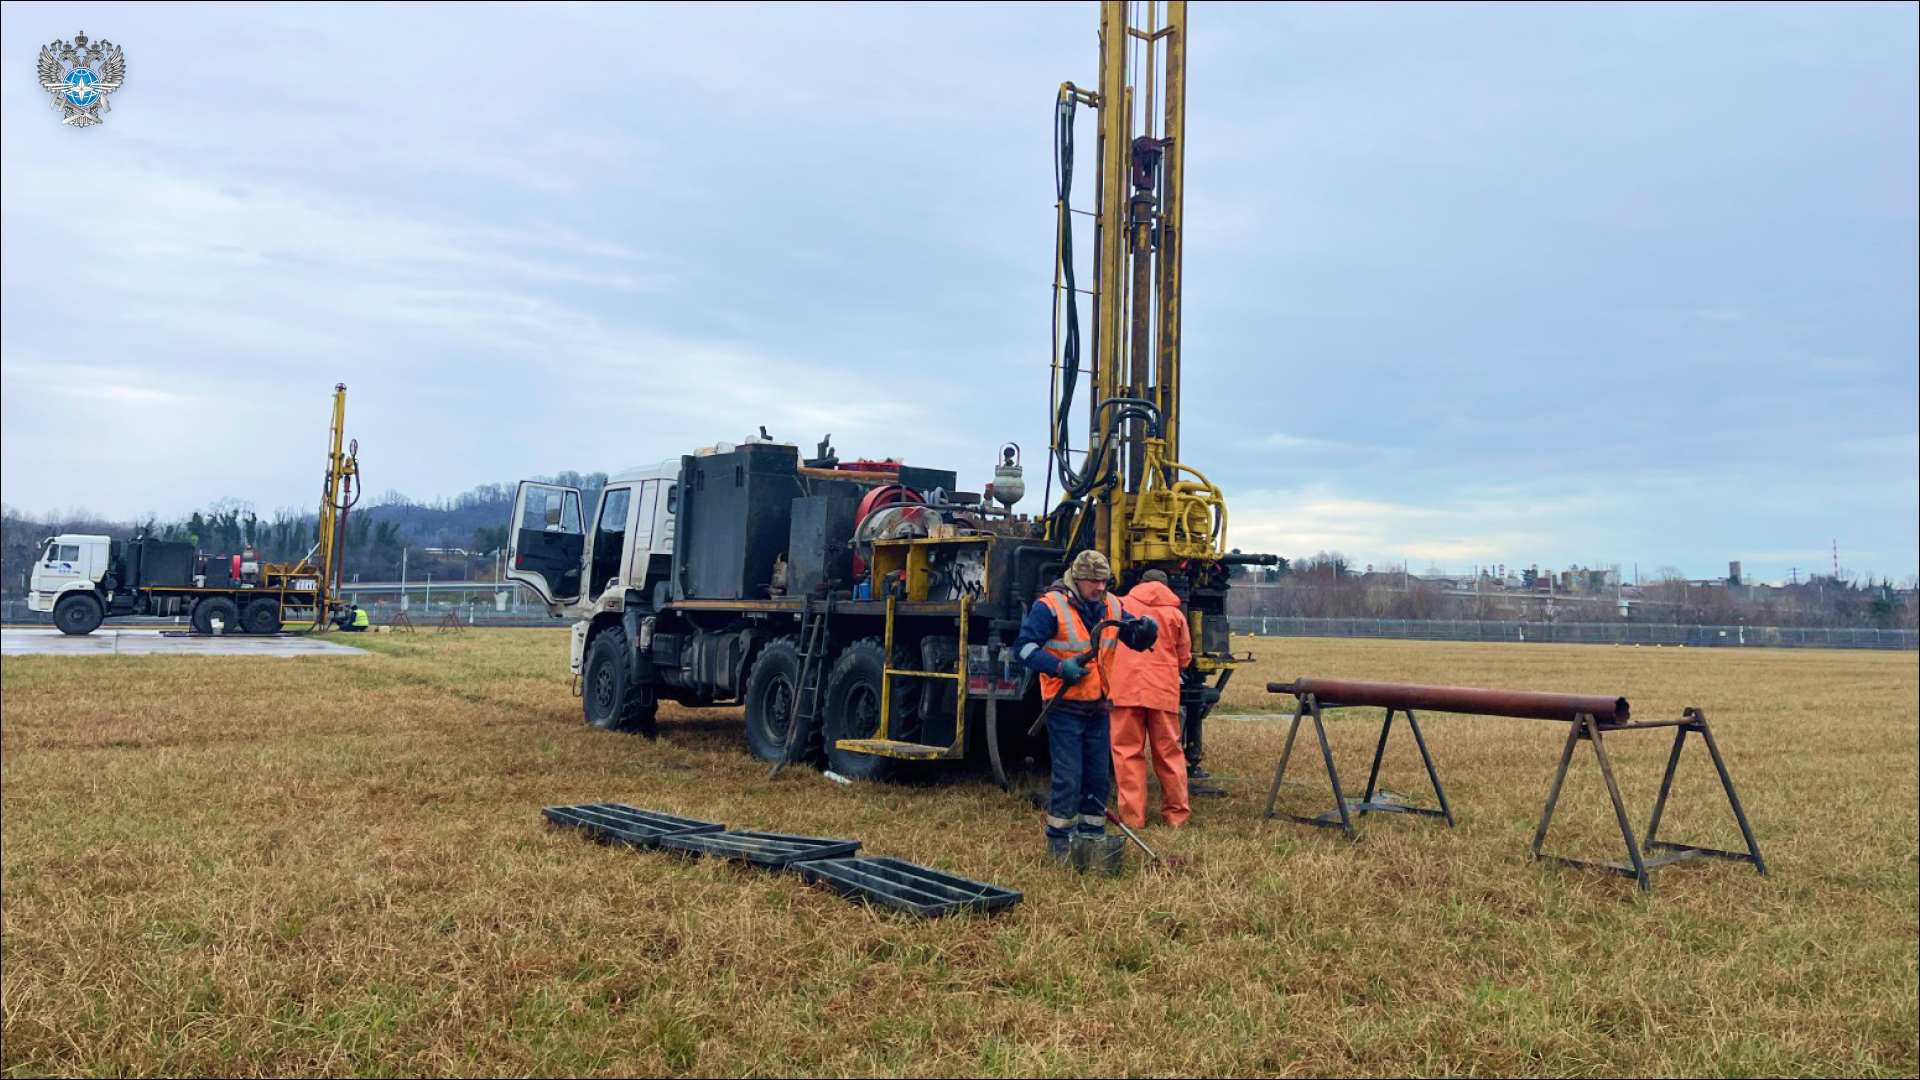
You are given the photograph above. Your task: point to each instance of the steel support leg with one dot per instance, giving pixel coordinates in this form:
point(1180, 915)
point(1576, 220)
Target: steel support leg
point(1697, 721)
point(1310, 707)
point(1666, 786)
point(1588, 728)
point(1367, 803)
point(1333, 775)
point(1379, 751)
point(1619, 806)
point(1286, 754)
point(1432, 773)
point(1726, 781)
point(1553, 792)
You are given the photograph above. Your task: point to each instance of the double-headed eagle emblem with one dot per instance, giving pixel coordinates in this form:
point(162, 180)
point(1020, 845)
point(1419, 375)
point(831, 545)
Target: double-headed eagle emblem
point(80, 76)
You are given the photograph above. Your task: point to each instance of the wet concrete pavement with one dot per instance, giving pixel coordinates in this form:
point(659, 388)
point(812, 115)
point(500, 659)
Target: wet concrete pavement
point(111, 642)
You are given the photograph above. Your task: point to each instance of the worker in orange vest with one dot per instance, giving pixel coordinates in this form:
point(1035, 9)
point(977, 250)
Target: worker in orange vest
point(1146, 709)
point(1053, 642)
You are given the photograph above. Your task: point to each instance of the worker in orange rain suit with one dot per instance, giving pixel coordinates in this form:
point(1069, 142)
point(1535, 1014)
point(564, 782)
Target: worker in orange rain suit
point(1057, 633)
point(1146, 708)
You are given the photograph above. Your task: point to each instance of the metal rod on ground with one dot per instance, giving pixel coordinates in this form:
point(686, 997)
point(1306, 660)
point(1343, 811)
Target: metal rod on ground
point(1131, 835)
point(1171, 862)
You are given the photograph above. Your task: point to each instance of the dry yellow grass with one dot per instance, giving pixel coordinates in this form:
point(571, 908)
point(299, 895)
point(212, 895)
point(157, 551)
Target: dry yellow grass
point(336, 866)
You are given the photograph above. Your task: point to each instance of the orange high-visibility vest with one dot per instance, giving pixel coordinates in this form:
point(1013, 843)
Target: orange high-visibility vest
point(1071, 639)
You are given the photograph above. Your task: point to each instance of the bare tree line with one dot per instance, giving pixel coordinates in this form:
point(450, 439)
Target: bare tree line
point(1326, 587)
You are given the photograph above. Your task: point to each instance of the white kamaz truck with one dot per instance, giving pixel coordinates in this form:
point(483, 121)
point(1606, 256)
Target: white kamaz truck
point(83, 579)
point(595, 577)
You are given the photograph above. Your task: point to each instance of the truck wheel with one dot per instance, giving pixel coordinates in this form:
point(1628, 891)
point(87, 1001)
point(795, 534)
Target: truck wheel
point(217, 608)
point(610, 700)
point(77, 613)
point(773, 694)
point(261, 617)
point(852, 710)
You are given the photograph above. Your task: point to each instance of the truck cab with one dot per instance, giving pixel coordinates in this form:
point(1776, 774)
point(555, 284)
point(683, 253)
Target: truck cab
point(69, 564)
point(589, 561)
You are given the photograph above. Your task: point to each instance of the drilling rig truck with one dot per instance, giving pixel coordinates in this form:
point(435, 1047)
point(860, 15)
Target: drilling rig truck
point(862, 611)
point(83, 579)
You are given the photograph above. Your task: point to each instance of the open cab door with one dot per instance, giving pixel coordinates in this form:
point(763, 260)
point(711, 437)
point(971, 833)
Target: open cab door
point(547, 543)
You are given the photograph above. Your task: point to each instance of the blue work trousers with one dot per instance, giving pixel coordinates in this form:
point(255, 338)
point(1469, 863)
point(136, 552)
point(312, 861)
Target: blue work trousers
point(1080, 740)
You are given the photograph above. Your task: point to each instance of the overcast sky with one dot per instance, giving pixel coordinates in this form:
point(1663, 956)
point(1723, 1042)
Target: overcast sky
point(1466, 284)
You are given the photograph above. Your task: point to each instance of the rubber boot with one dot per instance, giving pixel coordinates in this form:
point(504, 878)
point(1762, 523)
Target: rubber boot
point(1058, 849)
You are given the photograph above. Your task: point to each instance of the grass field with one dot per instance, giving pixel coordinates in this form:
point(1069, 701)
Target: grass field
point(337, 866)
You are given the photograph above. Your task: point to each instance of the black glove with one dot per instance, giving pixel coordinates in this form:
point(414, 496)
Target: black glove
point(1139, 633)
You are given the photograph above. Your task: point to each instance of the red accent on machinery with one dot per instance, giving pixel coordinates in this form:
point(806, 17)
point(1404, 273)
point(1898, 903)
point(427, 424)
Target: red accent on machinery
point(235, 575)
point(1458, 699)
point(879, 499)
point(887, 495)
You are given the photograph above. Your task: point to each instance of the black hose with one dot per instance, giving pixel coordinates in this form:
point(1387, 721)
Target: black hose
point(1074, 483)
point(1077, 484)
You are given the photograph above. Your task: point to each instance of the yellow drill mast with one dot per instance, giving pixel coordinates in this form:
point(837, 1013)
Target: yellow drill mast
point(1128, 495)
point(336, 498)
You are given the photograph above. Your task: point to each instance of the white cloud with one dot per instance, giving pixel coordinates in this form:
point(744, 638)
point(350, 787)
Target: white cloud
point(1469, 530)
point(1282, 441)
point(825, 223)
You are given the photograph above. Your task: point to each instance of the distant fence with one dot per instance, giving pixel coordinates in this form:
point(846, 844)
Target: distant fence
point(1792, 637)
point(420, 613)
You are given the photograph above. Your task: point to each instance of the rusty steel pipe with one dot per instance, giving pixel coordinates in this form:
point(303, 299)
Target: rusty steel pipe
point(1458, 699)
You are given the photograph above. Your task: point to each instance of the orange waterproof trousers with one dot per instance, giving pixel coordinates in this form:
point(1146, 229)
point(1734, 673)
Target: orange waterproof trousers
point(1133, 729)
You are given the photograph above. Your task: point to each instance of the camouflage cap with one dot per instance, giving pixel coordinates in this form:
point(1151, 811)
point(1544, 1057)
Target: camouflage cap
point(1089, 565)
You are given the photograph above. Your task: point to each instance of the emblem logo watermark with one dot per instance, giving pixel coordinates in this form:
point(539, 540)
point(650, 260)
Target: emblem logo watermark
point(80, 75)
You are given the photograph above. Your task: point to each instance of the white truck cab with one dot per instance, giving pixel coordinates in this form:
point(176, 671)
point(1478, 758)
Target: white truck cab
point(70, 563)
point(583, 566)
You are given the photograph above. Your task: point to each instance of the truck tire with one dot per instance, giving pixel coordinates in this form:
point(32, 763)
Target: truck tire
point(773, 693)
point(77, 613)
point(611, 701)
point(218, 607)
point(852, 710)
point(261, 617)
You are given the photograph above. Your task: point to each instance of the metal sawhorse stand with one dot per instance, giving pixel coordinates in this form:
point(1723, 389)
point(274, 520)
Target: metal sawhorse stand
point(1639, 855)
point(1342, 814)
point(1589, 717)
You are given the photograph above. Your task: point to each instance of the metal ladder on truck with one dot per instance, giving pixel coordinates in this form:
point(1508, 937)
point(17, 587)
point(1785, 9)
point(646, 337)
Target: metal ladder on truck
point(884, 744)
point(806, 703)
